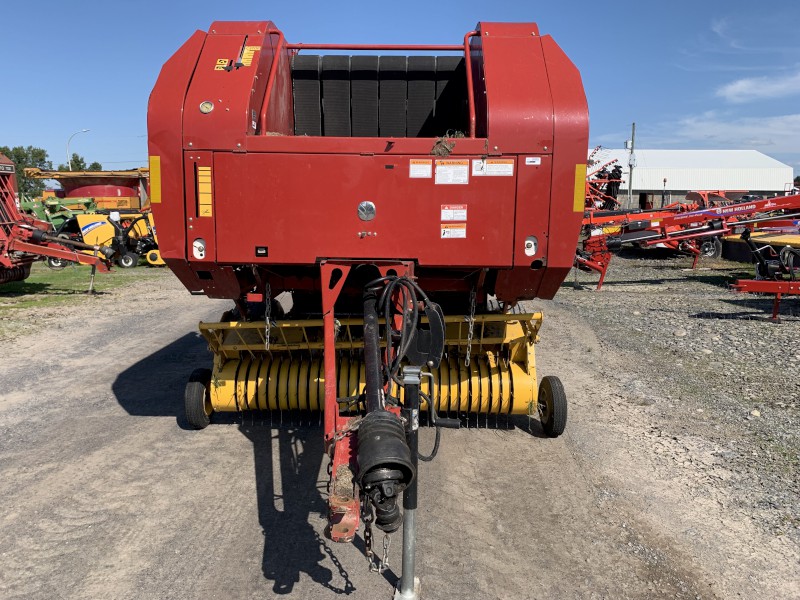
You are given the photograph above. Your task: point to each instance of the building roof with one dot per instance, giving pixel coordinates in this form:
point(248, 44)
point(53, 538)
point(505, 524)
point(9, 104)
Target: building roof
point(684, 170)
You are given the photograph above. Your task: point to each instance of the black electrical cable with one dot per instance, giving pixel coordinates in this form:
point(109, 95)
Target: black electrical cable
point(410, 294)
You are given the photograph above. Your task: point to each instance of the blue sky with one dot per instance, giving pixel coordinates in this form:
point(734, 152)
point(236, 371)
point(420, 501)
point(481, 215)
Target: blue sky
point(702, 74)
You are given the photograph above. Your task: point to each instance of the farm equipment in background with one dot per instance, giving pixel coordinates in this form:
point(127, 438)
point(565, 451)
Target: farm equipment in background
point(130, 234)
point(777, 272)
point(602, 183)
point(24, 239)
point(57, 210)
point(110, 190)
point(375, 194)
point(694, 232)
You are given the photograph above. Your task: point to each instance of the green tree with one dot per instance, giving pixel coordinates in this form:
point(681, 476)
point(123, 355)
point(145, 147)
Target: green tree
point(28, 156)
point(797, 181)
point(79, 164)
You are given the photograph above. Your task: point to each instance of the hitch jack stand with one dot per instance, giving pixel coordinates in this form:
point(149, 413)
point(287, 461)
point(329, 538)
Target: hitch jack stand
point(409, 586)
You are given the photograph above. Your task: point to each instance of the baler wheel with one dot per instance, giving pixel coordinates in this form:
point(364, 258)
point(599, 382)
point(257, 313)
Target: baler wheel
point(197, 403)
point(552, 406)
point(56, 263)
point(128, 260)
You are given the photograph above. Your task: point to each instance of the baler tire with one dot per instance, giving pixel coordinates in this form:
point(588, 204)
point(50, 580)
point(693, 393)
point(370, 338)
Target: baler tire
point(552, 406)
point(56, 263)
point(128, 260)
point(197, 403)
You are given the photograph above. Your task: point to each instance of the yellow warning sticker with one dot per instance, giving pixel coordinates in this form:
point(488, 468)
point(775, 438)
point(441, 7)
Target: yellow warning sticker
point(222, 64)
point(247, 55)
point(454, 231)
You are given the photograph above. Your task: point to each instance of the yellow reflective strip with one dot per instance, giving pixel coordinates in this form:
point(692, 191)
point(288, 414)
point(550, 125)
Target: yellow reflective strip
point(155, 180)
point(205, 197)
point(579, 199)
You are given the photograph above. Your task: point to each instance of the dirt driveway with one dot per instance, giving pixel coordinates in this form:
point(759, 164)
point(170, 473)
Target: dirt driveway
point(105, 494)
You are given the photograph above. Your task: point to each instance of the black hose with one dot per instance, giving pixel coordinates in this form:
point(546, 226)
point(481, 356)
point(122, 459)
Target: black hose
point(435, 450)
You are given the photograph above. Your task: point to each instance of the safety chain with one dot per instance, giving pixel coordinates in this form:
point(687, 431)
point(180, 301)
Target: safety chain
point(380, 565)
point(471, 321)
point(267, 315)
point(352, 425)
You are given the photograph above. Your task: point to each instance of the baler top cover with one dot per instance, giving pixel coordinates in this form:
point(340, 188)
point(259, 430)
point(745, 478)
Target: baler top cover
point(267, 158)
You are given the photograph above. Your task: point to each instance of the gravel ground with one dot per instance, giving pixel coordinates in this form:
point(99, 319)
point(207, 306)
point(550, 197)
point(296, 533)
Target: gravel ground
point(675, 478)
point(712, 364)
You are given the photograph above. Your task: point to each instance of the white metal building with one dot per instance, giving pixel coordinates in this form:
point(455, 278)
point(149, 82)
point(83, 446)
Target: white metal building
point(747, 171)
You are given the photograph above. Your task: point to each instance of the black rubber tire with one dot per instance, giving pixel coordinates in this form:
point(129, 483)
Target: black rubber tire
point(129, 260)
point(711, 248)
point(56, 263)
point(196, 401)
point(552, 406)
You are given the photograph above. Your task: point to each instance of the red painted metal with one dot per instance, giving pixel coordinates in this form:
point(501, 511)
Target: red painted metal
point(675, 229)
point(766, 286)
point(534, 108)
point(20, 235)
point(283, 209)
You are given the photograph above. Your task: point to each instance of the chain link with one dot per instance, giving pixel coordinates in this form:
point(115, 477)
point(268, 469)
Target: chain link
point(470, 332)
point(379, 565)
point(352, 425)
point(267, 316)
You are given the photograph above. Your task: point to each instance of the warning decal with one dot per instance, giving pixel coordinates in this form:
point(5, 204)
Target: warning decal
point(247, 55)
point(502, 167)
point(452, 172)
point(454, 212)
point(419, 168)
point(454, 230)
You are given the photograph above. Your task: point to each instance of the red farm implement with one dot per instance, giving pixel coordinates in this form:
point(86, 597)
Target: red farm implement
point(694, 232)
point(392, 198)
point(24, 239)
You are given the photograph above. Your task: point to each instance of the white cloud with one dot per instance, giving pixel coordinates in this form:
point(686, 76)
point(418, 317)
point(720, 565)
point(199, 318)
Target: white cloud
point(771, 135)
point(760, 88)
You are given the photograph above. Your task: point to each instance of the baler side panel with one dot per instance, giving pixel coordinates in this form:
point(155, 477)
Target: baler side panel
point(571, 119)
point(200, 201)
point(319, 195)
point(227, 88)
point(280, 113)
point(165, 131)
point(518, 95)
point(532, 219)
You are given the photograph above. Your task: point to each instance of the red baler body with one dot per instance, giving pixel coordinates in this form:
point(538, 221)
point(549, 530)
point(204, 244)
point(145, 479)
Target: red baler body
point(233, 166)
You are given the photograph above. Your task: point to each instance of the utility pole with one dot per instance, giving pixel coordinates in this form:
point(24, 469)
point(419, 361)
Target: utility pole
point(631, 164)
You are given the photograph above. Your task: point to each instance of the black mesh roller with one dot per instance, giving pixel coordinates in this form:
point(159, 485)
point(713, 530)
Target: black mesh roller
point(392, 103)
point(421, 96)
point(306, 88)
point(451, 111)
point(336, 96)
point(364, 95)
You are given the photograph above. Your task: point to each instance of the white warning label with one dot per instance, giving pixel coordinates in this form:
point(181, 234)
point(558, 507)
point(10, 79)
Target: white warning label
point(454, 230)
point(450, 171)
point(420, 168)
point(454, 212)
point(533, 160)
point(498, 167)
